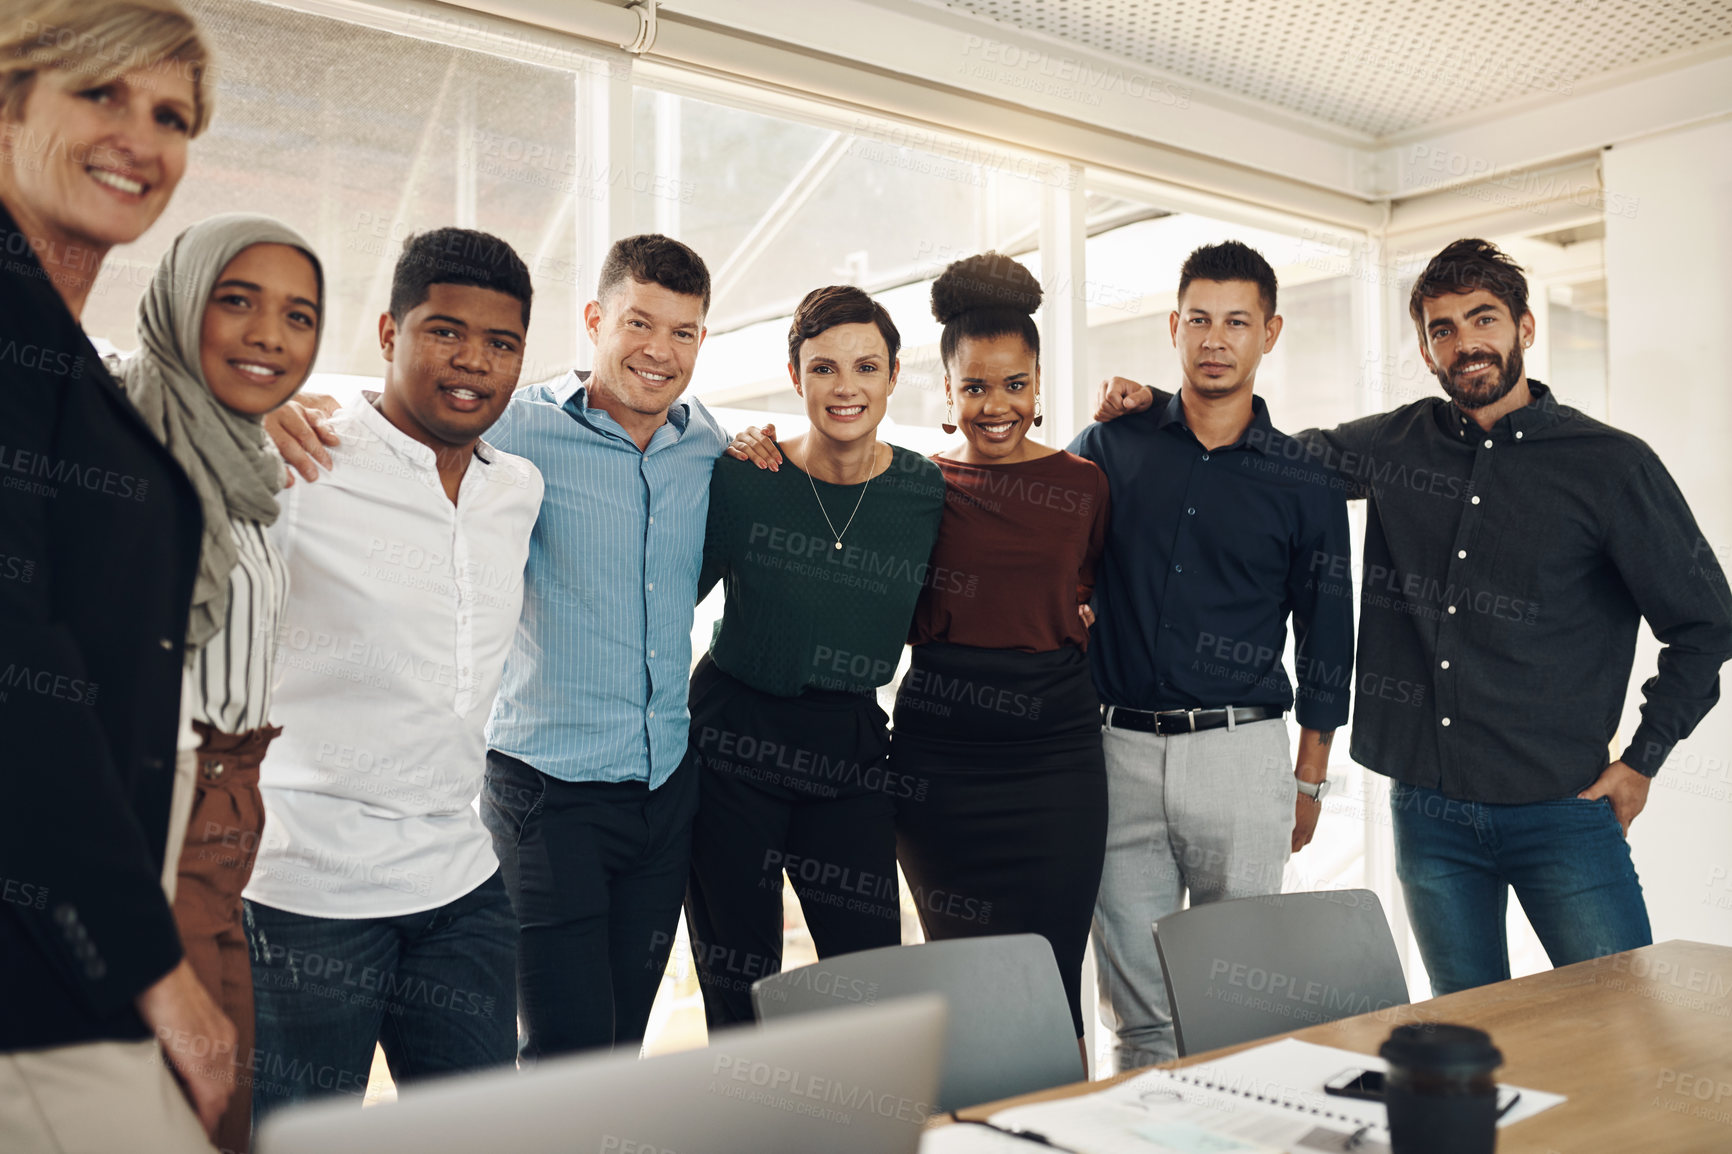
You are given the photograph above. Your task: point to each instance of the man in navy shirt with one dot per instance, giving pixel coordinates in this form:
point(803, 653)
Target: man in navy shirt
point(1216, 537)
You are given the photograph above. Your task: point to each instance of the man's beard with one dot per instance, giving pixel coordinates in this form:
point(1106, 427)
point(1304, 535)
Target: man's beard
point(1495, 388)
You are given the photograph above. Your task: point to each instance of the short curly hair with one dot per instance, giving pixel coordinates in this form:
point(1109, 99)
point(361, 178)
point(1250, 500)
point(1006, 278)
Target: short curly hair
point(459, 256)
point(985, 296)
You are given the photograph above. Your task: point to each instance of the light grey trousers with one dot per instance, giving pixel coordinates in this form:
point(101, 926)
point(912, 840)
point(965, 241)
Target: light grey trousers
point(1210, 813)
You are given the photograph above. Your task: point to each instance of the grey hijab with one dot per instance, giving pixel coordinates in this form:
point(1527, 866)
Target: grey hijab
point(223, 452)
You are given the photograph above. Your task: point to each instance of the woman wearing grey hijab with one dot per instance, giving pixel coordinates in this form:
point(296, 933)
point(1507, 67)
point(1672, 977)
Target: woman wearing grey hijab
point(229, 329)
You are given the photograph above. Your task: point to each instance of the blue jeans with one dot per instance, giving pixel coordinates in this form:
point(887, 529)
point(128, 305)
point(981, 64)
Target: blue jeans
point(1567, 859)
point(437, 989)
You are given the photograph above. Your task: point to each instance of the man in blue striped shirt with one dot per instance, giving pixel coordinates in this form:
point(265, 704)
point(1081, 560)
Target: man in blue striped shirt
point(590, 820)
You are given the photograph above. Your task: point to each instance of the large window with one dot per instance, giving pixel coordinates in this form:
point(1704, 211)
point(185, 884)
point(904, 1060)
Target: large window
point(779, 207)
point(359, 137)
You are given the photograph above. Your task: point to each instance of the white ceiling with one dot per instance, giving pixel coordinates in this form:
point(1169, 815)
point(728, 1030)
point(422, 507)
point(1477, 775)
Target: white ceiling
point(1380, 67)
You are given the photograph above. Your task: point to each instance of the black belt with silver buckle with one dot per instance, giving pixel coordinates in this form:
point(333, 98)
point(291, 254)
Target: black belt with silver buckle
point(1172, 721)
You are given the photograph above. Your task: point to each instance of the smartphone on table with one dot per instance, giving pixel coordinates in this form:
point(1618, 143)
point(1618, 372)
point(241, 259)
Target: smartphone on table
point(1368, 1085)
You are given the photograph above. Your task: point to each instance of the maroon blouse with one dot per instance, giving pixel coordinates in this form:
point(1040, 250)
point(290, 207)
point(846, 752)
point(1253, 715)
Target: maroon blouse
point(1016, 554)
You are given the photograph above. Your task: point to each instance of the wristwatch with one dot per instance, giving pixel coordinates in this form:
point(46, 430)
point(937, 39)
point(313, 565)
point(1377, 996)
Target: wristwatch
point(1315, 790)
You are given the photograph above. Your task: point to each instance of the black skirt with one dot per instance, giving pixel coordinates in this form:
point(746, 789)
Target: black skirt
point(1005, 830)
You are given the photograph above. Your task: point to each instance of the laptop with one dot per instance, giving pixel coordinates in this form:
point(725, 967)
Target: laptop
point(860, 1080)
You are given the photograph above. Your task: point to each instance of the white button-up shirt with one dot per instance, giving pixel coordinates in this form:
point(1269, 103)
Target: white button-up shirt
point(402, 607)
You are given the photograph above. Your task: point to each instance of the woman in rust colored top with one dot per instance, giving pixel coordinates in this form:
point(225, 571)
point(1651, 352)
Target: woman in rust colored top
point(997, 717)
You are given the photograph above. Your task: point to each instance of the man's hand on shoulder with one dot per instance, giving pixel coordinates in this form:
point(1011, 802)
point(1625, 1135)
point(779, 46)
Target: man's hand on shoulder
point(1627, 789)
point(1121, 396)
point(300, 431)
point(757, 446)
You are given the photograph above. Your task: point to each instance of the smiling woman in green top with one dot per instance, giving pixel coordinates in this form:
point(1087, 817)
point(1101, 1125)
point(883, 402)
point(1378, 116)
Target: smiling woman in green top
point(821, 565)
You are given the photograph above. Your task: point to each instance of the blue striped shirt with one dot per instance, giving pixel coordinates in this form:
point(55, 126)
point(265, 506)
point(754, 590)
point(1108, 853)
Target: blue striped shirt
point(595, 685)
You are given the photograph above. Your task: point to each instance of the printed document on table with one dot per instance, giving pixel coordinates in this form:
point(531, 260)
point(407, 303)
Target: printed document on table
point(1296, 1071)
point(1269, 1098)
point(1154, 1114)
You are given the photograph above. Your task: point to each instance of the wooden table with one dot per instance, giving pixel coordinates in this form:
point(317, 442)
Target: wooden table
point(1641, 1042)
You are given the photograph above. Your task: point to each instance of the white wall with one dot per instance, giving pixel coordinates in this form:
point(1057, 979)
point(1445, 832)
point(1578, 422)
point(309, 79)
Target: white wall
point(1669, 280)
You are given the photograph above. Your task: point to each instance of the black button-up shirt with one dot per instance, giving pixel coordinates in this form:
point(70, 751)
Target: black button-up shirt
point(1505, 575)
point(1208, 552)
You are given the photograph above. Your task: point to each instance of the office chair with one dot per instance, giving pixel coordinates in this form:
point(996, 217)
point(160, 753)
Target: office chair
point(1253, 967)
point(1009, 1030)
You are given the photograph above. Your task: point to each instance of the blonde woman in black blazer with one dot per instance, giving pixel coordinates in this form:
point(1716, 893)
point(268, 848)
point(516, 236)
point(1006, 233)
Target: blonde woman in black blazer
point(99, 540)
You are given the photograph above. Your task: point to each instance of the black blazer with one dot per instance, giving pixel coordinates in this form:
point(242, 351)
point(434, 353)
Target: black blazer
point(99, 541)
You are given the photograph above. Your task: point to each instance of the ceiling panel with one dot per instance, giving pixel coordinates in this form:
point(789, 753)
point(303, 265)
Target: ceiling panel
point(1375, 66)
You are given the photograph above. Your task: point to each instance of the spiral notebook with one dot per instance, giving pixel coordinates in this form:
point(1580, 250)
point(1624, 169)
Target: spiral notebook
point(1201, 1110)
point(1266, 1099)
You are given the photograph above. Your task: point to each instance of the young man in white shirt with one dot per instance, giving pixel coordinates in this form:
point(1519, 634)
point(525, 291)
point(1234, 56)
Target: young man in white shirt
point(376, 912)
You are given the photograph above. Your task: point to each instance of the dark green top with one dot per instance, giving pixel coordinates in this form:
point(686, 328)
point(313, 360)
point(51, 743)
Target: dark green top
point(800, 613)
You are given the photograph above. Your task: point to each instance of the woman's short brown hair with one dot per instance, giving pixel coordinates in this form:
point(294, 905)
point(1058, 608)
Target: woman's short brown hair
point(839, 304)
point(98, 40)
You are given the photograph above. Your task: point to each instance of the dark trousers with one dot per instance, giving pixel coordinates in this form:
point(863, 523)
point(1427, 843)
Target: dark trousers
point(795, 784)
point(596, 871)
point(433, 988)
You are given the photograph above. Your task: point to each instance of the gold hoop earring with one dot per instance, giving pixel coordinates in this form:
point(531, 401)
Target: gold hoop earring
point(1039, 415)
point(949, 422)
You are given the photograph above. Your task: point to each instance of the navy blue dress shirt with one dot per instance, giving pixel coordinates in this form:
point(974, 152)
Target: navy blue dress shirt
point(1208, 552)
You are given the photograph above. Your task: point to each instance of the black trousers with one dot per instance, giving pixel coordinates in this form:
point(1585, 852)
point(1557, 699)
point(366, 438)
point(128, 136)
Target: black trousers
point(595, 872)
point(795, 784)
